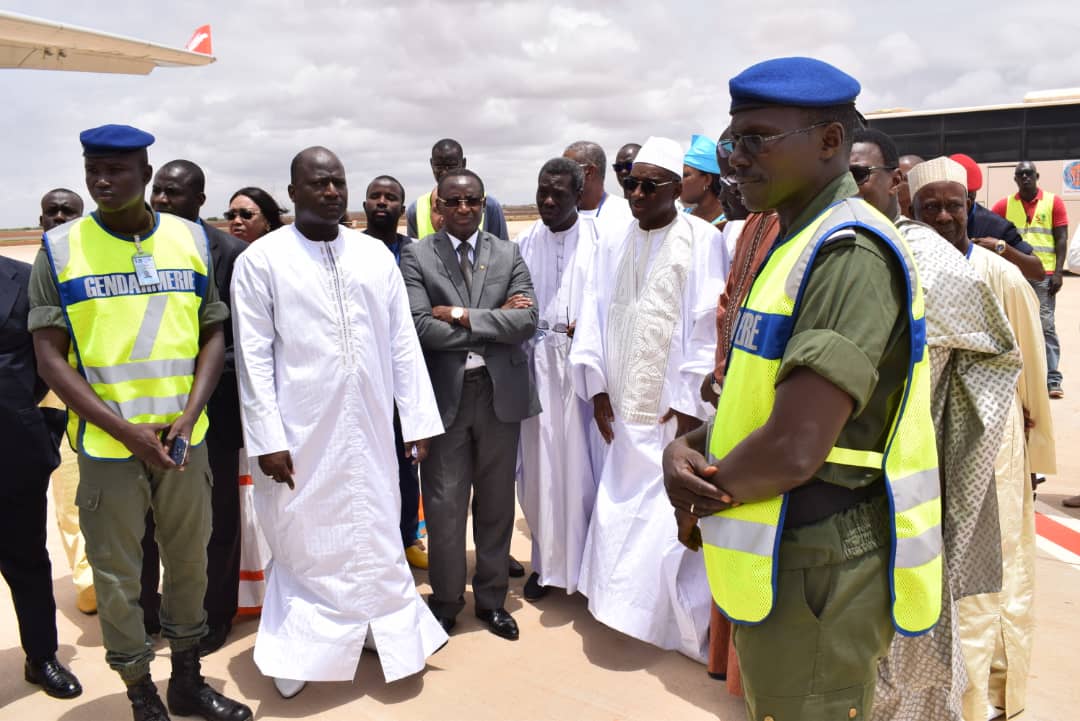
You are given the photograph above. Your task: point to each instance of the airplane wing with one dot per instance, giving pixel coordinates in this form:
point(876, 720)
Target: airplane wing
point(27, 42)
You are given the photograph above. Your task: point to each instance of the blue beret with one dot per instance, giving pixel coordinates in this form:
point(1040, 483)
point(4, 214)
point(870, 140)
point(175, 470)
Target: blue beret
point(793, 82)
point(702, 155)
point(114, 139)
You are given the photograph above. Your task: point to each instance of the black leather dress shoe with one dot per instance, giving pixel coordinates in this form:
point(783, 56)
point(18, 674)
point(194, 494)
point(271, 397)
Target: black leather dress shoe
point(533, 590)
point(56, 680)
point(214, 639)
point(446, 623)
point(516, 569)
point(500, 623)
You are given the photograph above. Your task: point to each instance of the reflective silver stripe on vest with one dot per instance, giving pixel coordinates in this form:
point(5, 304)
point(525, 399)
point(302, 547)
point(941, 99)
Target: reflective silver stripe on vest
point(918, 551)
point(201, 241)
point(915, 490)
point(1033, 230)
point(141, 370)
point(1044, 248)
point(59, 244)
point(846, 211)
point(148, 329)
point(738, 535)
point(148, 406)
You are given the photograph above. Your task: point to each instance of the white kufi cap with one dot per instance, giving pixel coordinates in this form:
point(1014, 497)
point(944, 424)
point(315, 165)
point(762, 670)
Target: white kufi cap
point(938, 170)
point(662, 152)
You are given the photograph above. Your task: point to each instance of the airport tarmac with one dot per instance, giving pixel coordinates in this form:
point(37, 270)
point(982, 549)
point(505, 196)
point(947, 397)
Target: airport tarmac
point(566, 665)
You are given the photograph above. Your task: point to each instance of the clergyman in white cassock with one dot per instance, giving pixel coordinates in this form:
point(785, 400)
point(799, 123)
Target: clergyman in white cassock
point(325, 346)
point(633, 337)
point(556, 478)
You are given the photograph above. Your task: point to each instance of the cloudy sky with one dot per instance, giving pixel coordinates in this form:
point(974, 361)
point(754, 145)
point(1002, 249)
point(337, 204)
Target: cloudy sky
point(515, 82)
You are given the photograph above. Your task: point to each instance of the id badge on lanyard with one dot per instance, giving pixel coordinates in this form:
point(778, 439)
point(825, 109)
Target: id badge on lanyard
point(145, 270)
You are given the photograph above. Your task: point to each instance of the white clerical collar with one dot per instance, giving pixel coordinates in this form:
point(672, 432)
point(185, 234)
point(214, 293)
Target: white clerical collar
point(471, 240)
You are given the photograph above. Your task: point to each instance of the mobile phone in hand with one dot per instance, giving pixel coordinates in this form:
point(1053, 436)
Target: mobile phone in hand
point(178, 451)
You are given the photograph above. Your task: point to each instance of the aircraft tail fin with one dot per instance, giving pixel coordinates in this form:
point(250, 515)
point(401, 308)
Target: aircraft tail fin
point(200, 41)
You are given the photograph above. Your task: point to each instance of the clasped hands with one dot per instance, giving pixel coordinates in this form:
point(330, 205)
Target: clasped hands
point(691, 493)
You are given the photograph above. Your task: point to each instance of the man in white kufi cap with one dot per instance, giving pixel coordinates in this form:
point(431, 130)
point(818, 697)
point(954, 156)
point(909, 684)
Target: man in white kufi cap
point(996, 629)
point(634, 336)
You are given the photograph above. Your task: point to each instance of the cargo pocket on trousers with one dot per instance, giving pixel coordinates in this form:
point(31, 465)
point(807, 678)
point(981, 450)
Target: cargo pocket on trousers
point(88, 501)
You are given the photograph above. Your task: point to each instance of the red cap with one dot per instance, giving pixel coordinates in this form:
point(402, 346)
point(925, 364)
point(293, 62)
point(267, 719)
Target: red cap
point(974, 173)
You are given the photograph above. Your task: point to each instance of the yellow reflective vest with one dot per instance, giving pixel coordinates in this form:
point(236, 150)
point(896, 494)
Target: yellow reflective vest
point(1039, 232)
point(741, 545)
point(134, 344)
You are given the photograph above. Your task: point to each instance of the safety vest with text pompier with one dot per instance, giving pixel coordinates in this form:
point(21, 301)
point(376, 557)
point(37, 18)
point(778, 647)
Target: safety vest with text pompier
point(1040, 231)
point(134, 344)
point(741, 545)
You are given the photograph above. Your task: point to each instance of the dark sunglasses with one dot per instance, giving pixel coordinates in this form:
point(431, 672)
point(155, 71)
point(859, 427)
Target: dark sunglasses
point(1025, 174)
point(471, 203)
point(244, 213)
point(622, 167)
point(862, 173)
point(648, 185)
point(755, 144)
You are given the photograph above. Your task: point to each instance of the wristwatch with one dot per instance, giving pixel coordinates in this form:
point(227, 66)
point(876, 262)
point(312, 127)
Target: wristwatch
point(457, 313)
point(1000, 246)
point(715, 385)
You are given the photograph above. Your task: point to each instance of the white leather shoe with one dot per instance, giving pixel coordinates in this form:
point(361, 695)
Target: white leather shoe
point(288, 687)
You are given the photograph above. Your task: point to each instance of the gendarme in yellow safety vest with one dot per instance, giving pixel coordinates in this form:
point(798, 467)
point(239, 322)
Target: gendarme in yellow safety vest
point(1039, 232)
point(134, 344)
point(741, 545)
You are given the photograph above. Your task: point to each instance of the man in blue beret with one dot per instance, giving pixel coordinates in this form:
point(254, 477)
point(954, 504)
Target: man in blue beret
point(815, 494)
point(127, 329)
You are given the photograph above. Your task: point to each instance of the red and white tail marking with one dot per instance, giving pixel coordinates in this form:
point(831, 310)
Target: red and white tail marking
point(200, 41)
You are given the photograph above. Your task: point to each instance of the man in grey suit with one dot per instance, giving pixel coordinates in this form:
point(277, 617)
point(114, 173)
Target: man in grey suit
point(473, 304)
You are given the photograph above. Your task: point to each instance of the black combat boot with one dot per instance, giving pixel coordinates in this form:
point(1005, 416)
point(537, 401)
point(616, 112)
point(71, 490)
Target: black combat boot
point(145, 703)
point(189, 695)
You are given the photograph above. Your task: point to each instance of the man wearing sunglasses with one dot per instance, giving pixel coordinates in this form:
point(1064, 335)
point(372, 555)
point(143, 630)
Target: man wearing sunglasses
point(424, 217)
point(473, 305)
point(1041, 218)
point(923, 677)
point(624, 162)
point(648, 287)
point(788, 490)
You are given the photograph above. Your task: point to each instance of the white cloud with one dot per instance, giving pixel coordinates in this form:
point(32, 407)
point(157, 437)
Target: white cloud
point(513, 81)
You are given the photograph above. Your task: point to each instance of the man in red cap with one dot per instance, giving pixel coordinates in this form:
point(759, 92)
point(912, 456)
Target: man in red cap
point(993, 232)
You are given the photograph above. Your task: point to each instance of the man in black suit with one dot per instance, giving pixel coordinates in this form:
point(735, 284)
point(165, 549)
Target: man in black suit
point(178, 189)
point(30, 450)
point(473, 304)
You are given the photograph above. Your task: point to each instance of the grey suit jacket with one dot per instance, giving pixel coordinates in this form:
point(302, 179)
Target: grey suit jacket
point(433, 277)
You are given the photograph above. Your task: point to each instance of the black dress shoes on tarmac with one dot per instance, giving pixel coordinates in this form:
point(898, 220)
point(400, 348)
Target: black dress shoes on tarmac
point(516, 569)
point(499, 622)
point(533, 591)
point(446, 623)
point(53, 678)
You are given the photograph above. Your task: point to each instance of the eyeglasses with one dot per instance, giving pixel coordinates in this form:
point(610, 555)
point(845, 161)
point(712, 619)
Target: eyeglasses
point(755, 144)
point(648, 185)
point(543, 326)
point(470, 203)
point(1025, 174)
point(245, 213)
point(622, 167)
point(862, 173)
